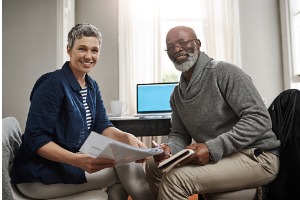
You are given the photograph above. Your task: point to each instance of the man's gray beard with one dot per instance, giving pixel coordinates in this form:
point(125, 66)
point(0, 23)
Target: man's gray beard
point(192, 59)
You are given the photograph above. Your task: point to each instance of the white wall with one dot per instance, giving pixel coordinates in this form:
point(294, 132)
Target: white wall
point(29, 47)
point(261, 45)
point(104, 15)
point(29, 50)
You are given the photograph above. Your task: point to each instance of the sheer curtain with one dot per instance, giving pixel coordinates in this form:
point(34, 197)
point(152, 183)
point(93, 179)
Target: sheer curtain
point(137, 47)
point(138, 55)
point(142, 31)
point(222, 30)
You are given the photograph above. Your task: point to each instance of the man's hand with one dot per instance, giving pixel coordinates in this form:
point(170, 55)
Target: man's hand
point(164, 155)
point(200, 157)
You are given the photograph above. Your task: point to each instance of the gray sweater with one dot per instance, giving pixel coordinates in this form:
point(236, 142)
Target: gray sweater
point(220, 107)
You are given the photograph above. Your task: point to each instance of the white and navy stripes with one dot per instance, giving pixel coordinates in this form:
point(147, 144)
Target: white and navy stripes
point(88, 114)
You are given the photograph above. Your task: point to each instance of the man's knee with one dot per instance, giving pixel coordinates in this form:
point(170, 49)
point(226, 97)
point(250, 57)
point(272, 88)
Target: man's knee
point(174, 185)
point(173, 177)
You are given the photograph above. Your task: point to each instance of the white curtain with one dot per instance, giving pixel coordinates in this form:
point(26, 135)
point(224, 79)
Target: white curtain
point(137, 51)
point(140, 39)
point(222, 30)
point(137, 48)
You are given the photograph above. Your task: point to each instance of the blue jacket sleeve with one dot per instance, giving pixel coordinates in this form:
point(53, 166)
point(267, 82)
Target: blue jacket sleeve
point(46, 98)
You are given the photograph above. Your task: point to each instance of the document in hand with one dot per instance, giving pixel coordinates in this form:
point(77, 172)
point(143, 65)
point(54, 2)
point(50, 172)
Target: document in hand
point(171, 162)
point(100, 146)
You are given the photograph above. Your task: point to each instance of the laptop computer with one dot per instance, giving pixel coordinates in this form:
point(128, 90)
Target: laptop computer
point(153, 99)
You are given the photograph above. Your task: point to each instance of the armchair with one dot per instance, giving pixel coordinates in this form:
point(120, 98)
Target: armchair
point(11, 140)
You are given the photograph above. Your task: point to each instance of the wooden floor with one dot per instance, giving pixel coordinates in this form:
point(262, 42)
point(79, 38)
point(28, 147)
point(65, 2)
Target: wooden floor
point(194, 197)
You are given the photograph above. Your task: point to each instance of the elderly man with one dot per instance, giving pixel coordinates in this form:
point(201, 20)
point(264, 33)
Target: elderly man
point(216, 105)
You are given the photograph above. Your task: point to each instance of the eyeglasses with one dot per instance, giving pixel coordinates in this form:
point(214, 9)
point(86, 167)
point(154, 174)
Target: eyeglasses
point(171, 47)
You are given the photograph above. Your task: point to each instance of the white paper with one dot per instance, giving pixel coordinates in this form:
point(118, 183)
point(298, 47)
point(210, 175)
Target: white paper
point(100, 146)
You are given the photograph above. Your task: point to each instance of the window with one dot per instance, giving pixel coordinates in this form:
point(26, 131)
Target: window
point(294, 15)
point(169, 18)
point(143, 25)
point(215, 23)
point(290, 23)
point(65, 21)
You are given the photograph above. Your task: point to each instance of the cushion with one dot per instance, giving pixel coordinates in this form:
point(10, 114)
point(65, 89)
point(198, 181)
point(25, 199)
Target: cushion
point(11, 140)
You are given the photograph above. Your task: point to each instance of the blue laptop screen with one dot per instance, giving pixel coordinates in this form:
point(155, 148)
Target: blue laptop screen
point(154, 97)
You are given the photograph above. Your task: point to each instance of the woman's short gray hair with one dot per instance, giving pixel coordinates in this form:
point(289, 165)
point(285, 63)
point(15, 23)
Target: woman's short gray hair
point(83, 29)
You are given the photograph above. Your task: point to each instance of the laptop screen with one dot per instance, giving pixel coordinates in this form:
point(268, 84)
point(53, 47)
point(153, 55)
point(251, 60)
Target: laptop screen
point(154, 97)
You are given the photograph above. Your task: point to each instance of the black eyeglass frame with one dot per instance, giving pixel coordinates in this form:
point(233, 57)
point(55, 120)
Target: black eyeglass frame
point(180, 44)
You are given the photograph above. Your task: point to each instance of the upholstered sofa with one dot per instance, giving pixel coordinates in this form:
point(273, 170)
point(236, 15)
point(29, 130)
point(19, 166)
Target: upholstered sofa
point(11, 140)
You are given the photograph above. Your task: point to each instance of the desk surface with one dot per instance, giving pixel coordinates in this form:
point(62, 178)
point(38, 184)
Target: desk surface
point(141, 126)
point(146, 117)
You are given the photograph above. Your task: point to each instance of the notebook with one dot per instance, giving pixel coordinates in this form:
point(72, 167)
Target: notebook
point(153, 99)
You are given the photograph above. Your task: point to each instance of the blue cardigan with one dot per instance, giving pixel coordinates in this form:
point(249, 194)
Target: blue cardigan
point(57, 114)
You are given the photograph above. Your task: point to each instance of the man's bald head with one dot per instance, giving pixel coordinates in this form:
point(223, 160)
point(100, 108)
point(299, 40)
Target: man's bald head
point(180, 31)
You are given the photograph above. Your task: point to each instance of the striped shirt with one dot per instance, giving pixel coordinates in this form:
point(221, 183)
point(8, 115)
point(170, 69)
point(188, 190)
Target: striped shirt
point(88, 114)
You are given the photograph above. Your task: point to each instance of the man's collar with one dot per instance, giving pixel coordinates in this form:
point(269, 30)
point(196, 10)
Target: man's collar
point(202, 61)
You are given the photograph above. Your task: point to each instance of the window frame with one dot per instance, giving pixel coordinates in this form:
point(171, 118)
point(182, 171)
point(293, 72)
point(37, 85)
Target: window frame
point(291, 78)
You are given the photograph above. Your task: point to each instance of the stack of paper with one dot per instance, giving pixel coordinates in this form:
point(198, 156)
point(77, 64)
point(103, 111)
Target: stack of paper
point(171, 162)
point(99, 146)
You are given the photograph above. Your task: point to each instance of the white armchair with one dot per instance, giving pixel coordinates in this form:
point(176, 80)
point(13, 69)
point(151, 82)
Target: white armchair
point(11, 140)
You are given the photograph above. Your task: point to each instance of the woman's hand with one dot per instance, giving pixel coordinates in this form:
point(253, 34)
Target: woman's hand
point(92, 165)
point(54, 152)
point(126, 138)
point(132, 140)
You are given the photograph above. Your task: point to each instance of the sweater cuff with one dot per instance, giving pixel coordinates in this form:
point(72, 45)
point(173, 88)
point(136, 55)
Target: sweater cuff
point(214, 147)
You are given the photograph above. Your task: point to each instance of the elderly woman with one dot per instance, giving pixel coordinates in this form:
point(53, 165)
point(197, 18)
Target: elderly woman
point(66, 105)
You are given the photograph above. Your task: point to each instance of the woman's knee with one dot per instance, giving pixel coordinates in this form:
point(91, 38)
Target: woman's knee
point(151, 168)
point(117, 192)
